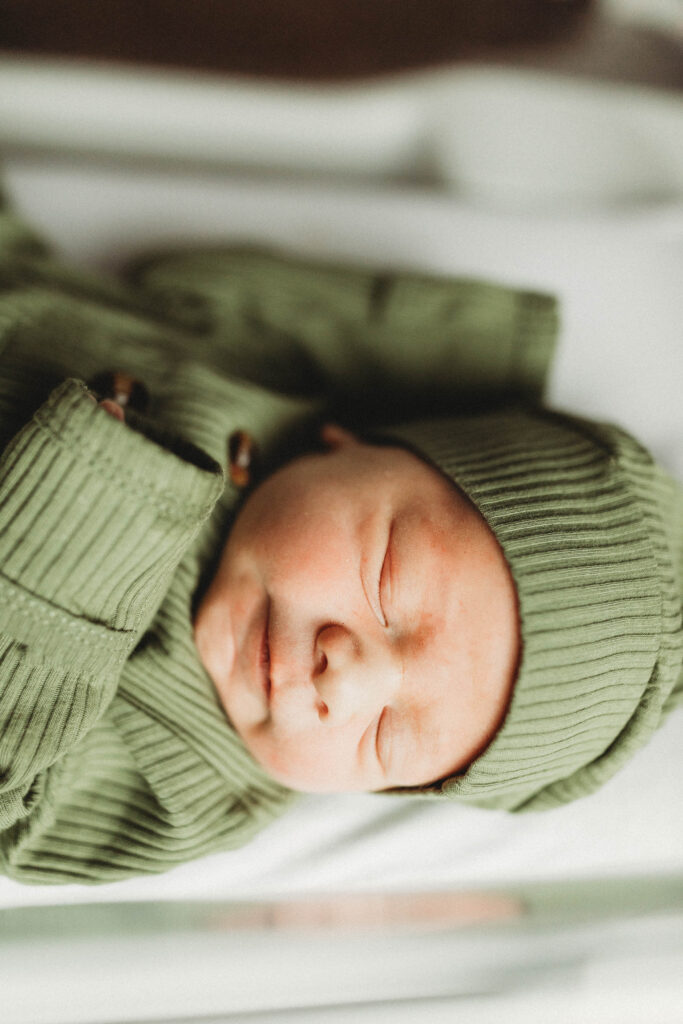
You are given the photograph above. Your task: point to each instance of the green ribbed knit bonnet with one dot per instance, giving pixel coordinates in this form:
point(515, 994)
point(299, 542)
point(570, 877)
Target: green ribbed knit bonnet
point(592, 530)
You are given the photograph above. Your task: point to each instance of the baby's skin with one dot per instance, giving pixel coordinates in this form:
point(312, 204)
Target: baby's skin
point(362, 627)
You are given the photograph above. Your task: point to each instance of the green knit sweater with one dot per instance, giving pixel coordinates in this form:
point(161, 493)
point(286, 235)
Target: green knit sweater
point(115, 756)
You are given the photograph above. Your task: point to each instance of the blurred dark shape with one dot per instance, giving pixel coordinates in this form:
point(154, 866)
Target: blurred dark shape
point(122, 388)
point(321, 39)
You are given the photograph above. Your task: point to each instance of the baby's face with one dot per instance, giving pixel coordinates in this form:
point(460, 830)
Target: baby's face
point(361, 629)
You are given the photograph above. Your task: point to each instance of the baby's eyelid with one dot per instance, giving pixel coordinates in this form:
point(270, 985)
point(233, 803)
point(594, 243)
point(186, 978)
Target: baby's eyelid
point(377, 737)
point(384, 583)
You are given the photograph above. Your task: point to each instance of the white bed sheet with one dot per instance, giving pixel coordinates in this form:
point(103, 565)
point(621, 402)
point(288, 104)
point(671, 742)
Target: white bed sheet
point(618, 276)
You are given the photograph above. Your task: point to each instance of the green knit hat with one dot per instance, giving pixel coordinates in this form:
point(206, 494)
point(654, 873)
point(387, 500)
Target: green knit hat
point(592, 530)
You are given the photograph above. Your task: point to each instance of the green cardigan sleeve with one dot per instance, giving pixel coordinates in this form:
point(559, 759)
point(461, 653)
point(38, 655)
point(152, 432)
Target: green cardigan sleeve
point(381, 344)
point(94, 519)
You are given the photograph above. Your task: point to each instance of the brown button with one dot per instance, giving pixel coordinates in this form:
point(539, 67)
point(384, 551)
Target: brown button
point(242, 454)
point(125, 390)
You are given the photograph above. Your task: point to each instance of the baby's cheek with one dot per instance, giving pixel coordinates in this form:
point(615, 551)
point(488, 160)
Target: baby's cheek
point(302, 761)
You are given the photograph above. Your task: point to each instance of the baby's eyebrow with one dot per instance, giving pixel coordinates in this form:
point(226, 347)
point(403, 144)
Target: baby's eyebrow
point(374, 603)
point(363, 584)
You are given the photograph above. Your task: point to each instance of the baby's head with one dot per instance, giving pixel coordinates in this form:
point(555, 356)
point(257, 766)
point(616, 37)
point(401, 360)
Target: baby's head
point(361, 628)
point(373, 626)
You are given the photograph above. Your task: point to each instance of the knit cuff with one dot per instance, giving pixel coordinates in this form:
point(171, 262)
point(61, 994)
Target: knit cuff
point(94, 515)
point(532, 342)
point(478, 340)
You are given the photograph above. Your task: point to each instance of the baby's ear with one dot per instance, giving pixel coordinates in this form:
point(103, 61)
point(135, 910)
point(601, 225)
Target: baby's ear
point(334, 436)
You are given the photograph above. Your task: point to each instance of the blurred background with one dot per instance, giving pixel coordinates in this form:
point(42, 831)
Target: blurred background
point(535, 142)
point(629, 40)
point(536, 104)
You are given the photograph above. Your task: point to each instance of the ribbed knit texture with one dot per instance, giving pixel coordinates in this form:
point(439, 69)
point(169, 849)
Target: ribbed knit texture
point(592, 531)
point(116, 757)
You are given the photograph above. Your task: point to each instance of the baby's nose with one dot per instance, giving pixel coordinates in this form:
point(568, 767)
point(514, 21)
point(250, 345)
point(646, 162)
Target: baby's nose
point(351, 677)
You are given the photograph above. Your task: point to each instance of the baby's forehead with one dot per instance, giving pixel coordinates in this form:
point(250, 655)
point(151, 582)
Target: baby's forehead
point(372, 469)
point(449, 483)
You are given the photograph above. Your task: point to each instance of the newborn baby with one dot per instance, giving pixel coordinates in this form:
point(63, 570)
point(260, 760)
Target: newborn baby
point(361, 629)
point(372, 626)
point(483, 604)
